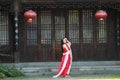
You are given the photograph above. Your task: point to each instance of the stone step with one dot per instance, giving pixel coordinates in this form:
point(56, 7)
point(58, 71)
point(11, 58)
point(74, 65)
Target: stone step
point(78, 68)
point(74, 70)
point(51, 64)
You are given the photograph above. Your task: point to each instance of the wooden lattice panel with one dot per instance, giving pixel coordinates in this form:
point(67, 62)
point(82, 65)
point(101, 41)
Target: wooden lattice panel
point(35, 1)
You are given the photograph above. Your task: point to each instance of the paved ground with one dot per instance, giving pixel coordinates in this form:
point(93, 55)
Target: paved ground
point(75, 77)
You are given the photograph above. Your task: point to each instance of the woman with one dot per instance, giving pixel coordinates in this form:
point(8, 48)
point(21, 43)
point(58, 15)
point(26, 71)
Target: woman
point(66, 62)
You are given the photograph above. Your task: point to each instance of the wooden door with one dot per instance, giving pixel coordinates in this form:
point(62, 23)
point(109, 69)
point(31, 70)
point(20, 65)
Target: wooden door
point(59, 33)
point(45, 35)
point(78, 27)
point(90, 38)
point(37, 38)
point(88, 35)
point(98, 40)
point(74, 33)
point(6, 36)
point(67, 25)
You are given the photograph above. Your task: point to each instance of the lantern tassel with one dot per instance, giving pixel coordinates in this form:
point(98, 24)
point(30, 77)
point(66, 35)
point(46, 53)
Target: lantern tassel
point(30, 21)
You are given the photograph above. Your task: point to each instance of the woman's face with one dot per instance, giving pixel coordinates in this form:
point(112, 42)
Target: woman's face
point(64, 40)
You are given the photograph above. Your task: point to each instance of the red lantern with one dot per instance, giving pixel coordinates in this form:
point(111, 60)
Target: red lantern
point(101, 14)
point(30, 15)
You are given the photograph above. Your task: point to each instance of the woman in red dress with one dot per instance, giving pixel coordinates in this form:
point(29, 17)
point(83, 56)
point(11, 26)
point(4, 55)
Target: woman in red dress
point(66, 61)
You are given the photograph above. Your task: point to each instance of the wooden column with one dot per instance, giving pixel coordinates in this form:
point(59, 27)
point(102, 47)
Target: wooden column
point(118, 35)
point(16, 10)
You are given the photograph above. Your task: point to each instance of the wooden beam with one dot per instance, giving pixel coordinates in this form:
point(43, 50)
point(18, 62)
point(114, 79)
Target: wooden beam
point(110, 1)
point(56, 1)
point(6, 0)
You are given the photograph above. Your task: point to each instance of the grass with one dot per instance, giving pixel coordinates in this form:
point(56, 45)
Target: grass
point(75, 77)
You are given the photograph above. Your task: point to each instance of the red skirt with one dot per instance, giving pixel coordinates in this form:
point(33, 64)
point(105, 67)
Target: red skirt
point(64, 65)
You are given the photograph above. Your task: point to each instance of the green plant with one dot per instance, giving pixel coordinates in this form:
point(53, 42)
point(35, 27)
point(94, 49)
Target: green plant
point(15, 73)
point(2, 75)
point(10, 72)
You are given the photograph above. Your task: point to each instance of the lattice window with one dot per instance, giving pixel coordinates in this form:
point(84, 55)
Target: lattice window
point(4, 31)
point(59, 26)
point(101, 31)
point(74, 26)
point(45, 27)
point(87, 24)
point(32, 33)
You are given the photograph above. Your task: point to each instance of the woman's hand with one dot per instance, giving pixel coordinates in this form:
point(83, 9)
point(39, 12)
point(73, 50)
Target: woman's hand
point(68, 41)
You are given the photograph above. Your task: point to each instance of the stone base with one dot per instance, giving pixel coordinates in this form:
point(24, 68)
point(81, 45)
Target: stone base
point(78, 68)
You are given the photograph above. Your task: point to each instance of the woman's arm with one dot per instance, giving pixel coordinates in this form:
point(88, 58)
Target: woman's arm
point(68, 42)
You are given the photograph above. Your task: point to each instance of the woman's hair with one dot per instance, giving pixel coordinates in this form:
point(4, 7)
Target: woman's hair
point(62, 43)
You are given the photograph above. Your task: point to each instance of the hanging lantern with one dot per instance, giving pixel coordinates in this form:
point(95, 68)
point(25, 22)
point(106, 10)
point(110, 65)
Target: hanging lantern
point(30, 15)
point(101, 14)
